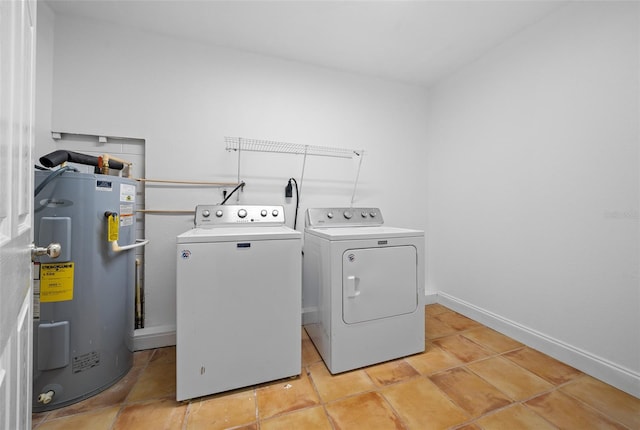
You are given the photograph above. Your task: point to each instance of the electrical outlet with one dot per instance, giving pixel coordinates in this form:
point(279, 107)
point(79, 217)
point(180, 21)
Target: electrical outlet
point(288, 190)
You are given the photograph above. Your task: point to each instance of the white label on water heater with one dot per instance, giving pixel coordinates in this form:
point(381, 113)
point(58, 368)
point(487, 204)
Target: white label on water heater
point(127, 193)
point(126, 215)
point(126, 210)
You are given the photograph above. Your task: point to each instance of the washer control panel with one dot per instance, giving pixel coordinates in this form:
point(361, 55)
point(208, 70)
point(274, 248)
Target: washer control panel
point(212, 215)
point(343, 217)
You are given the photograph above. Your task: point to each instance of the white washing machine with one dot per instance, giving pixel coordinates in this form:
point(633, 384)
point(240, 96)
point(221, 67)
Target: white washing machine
point(238, 300)
point(363, 287)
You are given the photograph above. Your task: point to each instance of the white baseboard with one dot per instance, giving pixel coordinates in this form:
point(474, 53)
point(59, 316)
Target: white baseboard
point(430, 297)
point(154, 337)
point(613, 374)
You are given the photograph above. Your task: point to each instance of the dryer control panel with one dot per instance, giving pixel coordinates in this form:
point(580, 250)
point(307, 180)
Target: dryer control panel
point(213, 215)
point(343, 217)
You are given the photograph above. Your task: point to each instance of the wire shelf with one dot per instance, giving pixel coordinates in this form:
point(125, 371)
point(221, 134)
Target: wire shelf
point(241, 144)
point(255, 145)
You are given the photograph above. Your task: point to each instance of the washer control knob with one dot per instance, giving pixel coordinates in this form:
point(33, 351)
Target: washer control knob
point(242, 213)
point(219, 213)
point(206, 213)
point(373, 214)
point(275, 212)
point(347, 214)
point(263, 213)
point(364, 214)
point(329, 215)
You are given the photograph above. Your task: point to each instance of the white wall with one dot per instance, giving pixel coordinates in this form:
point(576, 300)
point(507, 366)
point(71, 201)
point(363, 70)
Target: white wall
point(533, 196)
point(44, 79)
point(183, 98)
point(531, 157)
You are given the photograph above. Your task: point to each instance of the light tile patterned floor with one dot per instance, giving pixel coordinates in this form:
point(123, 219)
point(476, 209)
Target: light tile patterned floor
point(469, 377)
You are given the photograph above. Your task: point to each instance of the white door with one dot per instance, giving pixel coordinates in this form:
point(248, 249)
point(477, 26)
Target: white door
point(379, 283)
point(17, 83)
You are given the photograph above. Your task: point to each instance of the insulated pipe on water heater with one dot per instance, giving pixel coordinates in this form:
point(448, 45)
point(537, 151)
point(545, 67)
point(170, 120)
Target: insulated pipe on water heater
point(60, 156)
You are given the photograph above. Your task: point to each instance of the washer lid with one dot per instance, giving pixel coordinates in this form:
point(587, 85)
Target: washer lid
point(349, 233)
point(232, 234)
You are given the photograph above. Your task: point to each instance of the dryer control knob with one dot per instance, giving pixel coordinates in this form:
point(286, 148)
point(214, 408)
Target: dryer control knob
point(218, 213)
point(242, 213)
point(373, 214)
point(206, 213)
point(347, 214)
point(364, 214)
point(263, 213)
point(275, 212)
point(329, 215)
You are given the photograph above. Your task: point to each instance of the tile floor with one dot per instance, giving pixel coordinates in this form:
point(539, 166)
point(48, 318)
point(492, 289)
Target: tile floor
point(469, 377)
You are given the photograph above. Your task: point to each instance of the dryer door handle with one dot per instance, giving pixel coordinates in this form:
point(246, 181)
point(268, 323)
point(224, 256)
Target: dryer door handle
point(352, 286)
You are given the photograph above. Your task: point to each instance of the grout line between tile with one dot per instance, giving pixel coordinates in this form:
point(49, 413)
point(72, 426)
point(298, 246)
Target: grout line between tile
point(587, 405)
point(322, 402)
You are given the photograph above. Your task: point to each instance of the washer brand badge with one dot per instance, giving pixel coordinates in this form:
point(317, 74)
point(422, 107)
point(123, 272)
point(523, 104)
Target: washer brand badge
point(185, 254)
point(351, 257)
point(103, 185)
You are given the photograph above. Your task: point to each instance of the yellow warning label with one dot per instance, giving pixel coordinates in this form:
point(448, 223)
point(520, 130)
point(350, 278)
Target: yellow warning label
point(112, 228)
point(56, 282)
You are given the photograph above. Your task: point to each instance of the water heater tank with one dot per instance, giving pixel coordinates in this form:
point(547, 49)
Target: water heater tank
point(83, 299)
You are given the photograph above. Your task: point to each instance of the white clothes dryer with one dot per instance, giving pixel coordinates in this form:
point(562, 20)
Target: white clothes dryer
point(363, 287)
point(238, 295)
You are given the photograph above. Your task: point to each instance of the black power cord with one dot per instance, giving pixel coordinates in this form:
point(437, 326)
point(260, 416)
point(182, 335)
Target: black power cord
point(288, 192)
point(240, 185)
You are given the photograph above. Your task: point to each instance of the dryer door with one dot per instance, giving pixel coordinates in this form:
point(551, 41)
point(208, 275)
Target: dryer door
point(379, 283)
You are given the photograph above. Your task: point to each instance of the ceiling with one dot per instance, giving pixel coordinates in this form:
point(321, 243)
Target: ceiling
point(416, 42)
